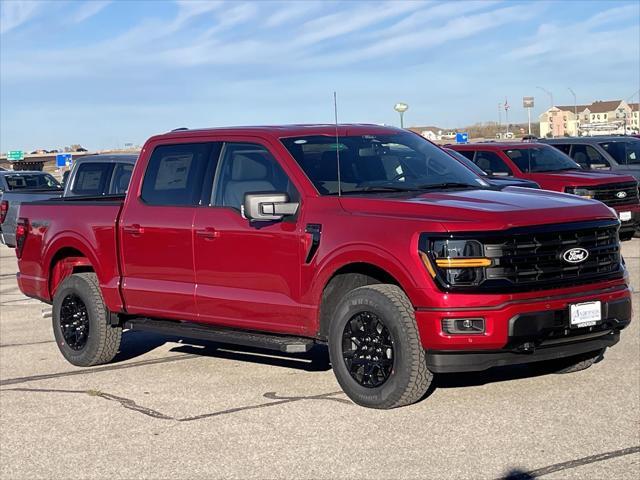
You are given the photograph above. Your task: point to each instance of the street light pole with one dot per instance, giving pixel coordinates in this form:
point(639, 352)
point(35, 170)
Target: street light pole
point(548, 93)
point(551, 101)
point(575, 108)
point(401, 108)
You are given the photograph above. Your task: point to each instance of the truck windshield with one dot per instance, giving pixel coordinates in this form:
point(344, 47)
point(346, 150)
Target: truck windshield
point(542, 158)
point(372, 163)
point(626, 152)
point(31, 180)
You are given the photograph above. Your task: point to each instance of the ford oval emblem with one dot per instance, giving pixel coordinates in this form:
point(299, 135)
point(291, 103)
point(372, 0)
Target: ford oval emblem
point(621, 194)
point(575, 255)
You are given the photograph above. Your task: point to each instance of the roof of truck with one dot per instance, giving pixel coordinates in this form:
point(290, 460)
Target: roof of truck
point(495, 145)
point(590, 140)
point(109, 158)
point(282, 131)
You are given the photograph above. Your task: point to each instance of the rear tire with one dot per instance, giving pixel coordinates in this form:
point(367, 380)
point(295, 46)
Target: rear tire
point(81, 324)
point(367, 321)
point(581, 362)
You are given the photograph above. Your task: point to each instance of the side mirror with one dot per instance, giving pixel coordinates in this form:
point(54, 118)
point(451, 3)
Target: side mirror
point(265, 207)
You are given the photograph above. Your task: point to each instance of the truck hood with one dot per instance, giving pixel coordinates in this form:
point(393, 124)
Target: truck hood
point(480, 210)
point(581, 178)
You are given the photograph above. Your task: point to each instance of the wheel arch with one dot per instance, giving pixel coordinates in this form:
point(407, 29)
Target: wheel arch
point(67, 255)
point(350, 270)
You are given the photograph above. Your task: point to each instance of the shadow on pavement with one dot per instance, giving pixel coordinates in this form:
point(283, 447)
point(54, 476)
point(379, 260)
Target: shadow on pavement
point(135, 343)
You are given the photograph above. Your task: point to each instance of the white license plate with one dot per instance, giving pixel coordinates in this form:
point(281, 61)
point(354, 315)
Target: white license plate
point(585, 314)
point(625, 216)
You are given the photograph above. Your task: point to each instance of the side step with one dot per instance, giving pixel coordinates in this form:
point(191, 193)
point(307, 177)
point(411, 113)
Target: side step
point(199, 331)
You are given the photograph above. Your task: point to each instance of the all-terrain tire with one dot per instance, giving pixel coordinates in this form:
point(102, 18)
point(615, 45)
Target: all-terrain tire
point(409, 379)
point(103, 339)
point(580, 362)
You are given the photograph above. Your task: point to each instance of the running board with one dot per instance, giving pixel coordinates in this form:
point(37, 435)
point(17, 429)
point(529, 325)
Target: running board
point(281, 343)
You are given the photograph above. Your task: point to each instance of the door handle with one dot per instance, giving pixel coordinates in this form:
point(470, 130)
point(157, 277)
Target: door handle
point(134, 229)
point(208, 233)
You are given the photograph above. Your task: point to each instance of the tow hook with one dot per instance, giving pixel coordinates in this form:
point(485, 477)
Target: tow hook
point(526, 347)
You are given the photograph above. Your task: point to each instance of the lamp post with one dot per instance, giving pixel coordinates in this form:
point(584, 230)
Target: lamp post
point(401, 108)
point(548, 93)
point(575, 108)
point(551, 106)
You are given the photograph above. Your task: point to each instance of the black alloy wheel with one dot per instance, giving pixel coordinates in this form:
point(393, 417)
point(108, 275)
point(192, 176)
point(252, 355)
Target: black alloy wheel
point(74, 322)
point(367, 349)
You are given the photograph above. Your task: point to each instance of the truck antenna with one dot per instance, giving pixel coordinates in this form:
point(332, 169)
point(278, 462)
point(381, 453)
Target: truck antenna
point(335, 112)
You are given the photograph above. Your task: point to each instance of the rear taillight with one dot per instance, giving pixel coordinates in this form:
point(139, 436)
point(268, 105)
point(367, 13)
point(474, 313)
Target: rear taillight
point(4, 208)
point(22, 230)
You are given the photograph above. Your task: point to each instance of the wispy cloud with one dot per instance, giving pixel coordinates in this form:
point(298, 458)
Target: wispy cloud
point(88, 9)
point(15, 13)
point(289, 11)
point(587, 38)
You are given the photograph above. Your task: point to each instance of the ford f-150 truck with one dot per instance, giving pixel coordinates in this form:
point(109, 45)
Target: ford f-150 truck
point(553, 170)
point(370, 239)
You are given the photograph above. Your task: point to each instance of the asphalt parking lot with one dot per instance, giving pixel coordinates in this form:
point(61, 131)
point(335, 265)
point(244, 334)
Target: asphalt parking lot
point(171, 408)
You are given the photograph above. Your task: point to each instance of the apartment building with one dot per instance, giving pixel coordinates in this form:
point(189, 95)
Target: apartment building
point(598, 118)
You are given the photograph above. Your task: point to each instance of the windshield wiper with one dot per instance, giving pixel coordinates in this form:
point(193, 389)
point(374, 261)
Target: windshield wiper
point(378, 188)
point(445, 185)
point(557, 170)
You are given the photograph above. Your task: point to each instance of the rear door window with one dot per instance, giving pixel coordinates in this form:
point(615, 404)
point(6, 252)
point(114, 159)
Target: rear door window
point(564, 147)
point(37, 180)
point(92, 178)
point(176, 173)
point(467, 153)
point(491, 163)
point(120, 178)
point(588, 157)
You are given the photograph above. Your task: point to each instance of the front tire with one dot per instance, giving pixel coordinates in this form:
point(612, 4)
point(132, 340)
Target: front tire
point(81, 324)
point(375, 348)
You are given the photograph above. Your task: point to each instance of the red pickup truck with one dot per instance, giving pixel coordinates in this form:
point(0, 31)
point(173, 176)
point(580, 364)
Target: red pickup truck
point(553, 170)
point(367, 238)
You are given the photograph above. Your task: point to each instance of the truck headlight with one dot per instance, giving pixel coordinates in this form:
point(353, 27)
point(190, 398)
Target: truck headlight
point(455, 262)
point(581, 192)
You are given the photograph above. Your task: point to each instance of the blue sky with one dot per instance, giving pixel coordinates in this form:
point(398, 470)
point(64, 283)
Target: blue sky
point(105, 73)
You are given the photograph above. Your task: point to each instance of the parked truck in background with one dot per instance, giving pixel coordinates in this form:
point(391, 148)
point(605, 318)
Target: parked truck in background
point(92, 175)
point(17, 187)
point(553, 170)
point(616, 153)
point(367, 238)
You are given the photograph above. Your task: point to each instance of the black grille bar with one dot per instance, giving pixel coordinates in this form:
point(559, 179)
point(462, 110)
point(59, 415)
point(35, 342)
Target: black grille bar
point(609, 193)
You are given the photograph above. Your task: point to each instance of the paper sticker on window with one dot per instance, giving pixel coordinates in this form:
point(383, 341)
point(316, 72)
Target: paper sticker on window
point(173, 172)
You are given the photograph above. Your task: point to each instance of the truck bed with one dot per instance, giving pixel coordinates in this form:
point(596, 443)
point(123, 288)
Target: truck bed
point(83, 224)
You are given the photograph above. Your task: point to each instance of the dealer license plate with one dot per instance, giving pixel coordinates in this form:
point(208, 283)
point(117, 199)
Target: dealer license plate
point(625, 216)
point(585, 314)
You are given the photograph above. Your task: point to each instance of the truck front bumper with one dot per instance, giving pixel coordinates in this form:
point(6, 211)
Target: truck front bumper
point(632, 225)
point(522, 331)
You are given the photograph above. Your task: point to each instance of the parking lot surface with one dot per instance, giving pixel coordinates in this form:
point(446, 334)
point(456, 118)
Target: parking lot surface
point(169, 407)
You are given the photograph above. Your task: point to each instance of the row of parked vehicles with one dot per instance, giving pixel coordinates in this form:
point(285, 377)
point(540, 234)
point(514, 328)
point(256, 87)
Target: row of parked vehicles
point(406, 259)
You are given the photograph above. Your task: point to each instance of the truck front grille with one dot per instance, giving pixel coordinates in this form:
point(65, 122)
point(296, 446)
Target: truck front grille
point(535, 258)
point(617, 193)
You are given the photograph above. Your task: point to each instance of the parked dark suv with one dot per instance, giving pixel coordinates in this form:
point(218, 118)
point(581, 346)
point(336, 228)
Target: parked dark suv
point(618, 153)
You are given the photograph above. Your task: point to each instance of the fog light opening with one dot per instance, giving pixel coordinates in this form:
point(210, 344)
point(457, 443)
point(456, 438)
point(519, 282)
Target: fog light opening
point(463, 326)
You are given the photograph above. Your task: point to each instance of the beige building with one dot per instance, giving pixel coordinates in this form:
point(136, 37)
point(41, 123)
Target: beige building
point(599, 118)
